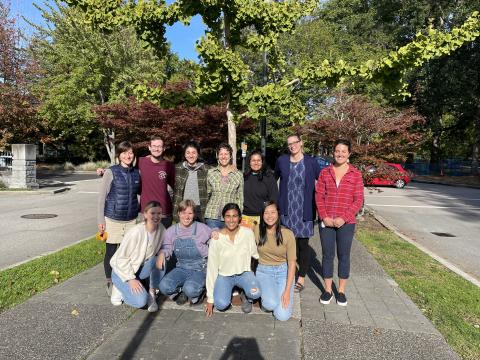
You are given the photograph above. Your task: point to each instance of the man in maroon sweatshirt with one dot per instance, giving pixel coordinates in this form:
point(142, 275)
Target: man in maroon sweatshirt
point(156, 174)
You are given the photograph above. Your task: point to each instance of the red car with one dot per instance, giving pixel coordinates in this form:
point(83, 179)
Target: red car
point(388, 174)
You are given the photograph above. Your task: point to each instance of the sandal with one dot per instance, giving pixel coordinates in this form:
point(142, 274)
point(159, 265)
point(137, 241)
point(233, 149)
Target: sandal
point(298, 287)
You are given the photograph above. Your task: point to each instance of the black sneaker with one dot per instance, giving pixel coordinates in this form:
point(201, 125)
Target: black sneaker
point(341, 299)
point(246, 304)
point(181, 299)
point(326, 297)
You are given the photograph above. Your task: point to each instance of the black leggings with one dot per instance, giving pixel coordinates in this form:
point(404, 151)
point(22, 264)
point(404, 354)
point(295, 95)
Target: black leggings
point(109, 251)
point(303, 256)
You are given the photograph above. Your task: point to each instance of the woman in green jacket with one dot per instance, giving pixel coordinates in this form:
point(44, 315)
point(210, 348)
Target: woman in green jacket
point(191, 181)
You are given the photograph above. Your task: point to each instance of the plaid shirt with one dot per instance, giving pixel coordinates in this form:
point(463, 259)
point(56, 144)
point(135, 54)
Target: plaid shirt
point(221, 193)
point(343, 201)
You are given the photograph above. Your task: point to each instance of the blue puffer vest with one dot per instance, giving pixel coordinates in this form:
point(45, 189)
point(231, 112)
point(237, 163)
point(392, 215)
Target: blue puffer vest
point(122, 203)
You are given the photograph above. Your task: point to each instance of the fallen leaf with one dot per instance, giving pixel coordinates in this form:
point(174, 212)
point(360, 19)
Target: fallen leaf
point(75, 312)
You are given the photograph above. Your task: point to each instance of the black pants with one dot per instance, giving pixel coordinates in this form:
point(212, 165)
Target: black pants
point(303, 256)
point(109, 251)
point(340, 240)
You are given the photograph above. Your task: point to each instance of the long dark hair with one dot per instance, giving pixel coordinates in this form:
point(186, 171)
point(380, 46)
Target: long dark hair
point(263, 225)
point(263, 170)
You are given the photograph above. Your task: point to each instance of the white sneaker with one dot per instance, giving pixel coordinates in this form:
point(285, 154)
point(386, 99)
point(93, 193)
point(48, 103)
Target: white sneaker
point(116, 297)
point(152, 303)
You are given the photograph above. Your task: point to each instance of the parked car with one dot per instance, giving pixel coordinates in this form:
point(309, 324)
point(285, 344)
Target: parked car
point(387, 174)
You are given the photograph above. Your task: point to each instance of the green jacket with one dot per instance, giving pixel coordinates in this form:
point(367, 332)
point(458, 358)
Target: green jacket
point(181, 175)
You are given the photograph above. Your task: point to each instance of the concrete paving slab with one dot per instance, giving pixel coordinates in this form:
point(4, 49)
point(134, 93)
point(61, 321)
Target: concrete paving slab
point(337, 341)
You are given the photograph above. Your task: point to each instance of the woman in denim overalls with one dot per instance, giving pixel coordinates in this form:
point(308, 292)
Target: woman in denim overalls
point(188, 240)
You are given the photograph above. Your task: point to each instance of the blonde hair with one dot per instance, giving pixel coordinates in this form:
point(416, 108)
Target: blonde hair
point(150, 205)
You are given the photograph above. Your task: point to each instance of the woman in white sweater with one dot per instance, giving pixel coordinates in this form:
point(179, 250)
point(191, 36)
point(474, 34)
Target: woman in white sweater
point(229, 263)
point(135, 259)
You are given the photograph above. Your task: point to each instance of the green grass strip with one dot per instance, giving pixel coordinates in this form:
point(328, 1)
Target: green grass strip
point(22, 282)
point(450, 302)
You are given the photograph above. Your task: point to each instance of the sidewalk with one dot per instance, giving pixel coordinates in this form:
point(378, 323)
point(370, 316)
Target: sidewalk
point(74, 320)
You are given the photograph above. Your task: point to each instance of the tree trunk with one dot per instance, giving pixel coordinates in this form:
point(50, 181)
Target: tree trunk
point(231, 127)
point(476, 143)
point(435, 161)
point(109, 141)
point(232, 133)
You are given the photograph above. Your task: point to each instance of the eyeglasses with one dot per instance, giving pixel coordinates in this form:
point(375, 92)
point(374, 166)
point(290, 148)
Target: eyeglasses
point(293, 143)
point(156, 147)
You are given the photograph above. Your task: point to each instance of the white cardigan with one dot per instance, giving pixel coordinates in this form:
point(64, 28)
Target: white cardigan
point(134, 250)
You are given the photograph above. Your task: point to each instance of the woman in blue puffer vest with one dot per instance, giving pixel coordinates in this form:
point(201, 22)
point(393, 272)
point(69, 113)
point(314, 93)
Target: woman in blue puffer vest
point(118, 204)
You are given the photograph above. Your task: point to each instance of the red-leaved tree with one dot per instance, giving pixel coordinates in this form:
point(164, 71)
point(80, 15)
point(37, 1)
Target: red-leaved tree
point(17, 111)
point(376, 132)
point(175, 116)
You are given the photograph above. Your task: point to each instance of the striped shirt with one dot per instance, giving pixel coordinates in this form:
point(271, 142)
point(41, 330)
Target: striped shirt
point(344, 200)
point(223, 190)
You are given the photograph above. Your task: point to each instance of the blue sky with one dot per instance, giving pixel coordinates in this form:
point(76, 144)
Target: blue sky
point(182, 38)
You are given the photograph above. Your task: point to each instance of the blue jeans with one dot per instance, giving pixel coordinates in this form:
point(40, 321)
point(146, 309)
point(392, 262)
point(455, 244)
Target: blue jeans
point(272, 280)
point(191, 282)
point(341, 239)
point(130, 298)
point(222, 291)
point(215, 223)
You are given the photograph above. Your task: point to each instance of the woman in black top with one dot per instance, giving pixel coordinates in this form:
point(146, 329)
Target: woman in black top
point(260, 186)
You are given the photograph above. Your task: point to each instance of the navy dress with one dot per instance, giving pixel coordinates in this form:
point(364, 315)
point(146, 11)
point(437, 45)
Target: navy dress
point(296, 187)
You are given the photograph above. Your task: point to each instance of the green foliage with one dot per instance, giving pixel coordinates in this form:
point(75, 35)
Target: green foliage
point(391, 69)
point(81, 67)
point(223, 75)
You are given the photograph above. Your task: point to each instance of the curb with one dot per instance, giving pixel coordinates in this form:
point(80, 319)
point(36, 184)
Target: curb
point(439, 183)
point(441, 260)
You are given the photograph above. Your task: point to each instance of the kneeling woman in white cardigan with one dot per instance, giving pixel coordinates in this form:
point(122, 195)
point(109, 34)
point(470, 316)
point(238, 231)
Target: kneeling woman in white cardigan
point(135, 260)
point(229, 263)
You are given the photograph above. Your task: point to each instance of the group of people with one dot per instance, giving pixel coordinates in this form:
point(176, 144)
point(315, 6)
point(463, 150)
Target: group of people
point(201, 241)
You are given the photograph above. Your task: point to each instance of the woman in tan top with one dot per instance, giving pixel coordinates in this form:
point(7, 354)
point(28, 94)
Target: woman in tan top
point(276, 268)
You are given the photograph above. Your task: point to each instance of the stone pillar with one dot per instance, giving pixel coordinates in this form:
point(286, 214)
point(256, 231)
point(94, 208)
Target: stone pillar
point(24, 172)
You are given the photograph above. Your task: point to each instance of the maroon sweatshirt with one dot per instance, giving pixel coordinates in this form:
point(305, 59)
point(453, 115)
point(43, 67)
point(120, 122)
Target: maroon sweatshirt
point(155, 177)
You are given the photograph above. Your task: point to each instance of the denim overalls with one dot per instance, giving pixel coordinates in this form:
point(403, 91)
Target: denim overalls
point(190, 272)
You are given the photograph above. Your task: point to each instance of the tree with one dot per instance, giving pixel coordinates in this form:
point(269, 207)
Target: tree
point(166, 116)
point(380, 132)
point(257, 24)
point(82, 67)
point(443, 89)
point(17, 106)
point(231, 25)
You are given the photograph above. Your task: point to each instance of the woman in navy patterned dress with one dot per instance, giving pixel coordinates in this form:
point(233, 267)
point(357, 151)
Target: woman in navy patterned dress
point(297, 173)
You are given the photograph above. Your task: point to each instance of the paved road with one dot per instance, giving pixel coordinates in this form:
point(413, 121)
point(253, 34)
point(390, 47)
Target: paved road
point(22, 239)
point(421, 209)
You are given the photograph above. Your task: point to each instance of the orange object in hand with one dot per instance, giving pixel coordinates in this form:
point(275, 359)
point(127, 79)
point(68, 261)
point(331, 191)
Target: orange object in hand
point(101, 236)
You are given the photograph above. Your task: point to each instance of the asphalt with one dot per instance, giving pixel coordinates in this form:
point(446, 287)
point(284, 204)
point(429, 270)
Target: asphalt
point(74, 320)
